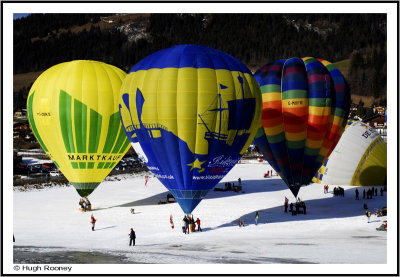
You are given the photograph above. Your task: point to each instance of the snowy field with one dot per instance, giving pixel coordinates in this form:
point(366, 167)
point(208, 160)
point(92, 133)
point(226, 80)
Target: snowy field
point(334, 230)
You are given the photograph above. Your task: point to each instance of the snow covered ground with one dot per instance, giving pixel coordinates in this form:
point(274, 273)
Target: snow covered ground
point(334, 230)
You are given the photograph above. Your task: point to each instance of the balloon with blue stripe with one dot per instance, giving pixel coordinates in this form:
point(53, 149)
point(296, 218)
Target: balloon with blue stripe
point(190, 112)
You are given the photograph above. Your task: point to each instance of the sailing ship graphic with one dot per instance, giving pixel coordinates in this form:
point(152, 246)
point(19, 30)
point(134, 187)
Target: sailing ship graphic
point(239, 113)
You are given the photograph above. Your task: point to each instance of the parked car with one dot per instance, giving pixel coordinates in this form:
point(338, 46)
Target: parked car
point(170, 198)
point(54, 172)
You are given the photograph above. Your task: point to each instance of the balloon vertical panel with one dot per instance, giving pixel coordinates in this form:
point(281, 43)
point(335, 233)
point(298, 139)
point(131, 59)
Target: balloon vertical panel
point(272, 127)
point(295, 115)
point(187, 117)
point(73, 112)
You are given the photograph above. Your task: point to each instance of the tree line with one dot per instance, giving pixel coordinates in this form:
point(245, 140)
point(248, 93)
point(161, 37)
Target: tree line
point(255, 39)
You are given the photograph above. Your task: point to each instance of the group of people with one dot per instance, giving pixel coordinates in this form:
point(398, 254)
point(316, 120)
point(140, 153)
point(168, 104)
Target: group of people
point(366, 193)
point(231, 186)
point(338, 191)
point(270, 174)
point(189, 222)
point(240, 222)
point(297, 206)
point(85, 204)
point(371, 191)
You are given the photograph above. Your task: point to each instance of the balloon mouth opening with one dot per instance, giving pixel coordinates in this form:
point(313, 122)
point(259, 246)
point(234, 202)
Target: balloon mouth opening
point(85, 189)
point(84, 192)
point(188, 205)
point(294, 188)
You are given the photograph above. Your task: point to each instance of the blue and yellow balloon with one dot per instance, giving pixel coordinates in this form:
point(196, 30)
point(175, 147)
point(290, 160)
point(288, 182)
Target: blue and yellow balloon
point(190, 112)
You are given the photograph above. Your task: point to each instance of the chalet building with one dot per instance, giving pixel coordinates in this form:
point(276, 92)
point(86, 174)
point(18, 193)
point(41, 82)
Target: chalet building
point(380, 110)
point(378, 122)
point(18, 113)
point(353, 107)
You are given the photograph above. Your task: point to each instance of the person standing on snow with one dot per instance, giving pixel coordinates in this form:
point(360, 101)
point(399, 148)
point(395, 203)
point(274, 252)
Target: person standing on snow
point(92, 221)
point(186, 224)
point(198, 225)
point(171, 221)
point(87, 203)
point(256, 218)
point(132, 237)
point(81, 203)
point(286, 204)
point(368, 214)
point(183, 226)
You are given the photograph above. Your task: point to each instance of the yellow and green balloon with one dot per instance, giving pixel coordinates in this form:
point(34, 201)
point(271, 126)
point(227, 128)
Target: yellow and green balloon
point(73, 113)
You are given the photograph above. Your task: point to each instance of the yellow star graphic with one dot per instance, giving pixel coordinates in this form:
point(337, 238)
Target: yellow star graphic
point(196, 164)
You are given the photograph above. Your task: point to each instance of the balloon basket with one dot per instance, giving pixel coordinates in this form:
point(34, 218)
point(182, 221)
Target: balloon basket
point(192, 228)
point(89, 208)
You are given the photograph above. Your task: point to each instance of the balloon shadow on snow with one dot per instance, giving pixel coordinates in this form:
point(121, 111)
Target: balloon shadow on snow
point(248, 187)
point(152, 200)
point(325, 208)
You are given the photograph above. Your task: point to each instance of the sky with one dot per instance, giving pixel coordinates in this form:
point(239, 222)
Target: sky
point(20, 15)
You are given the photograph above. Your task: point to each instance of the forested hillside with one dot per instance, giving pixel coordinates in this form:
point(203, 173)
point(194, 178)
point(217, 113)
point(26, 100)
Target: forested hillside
point(43, 40)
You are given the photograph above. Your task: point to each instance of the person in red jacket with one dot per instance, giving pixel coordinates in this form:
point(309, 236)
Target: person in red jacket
point(198, 225)
point(93, 221)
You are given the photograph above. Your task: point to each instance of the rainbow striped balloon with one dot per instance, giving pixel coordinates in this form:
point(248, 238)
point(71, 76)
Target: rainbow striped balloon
point(306, 103)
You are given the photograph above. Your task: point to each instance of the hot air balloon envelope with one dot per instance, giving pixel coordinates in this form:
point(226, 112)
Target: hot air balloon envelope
point(359, 159)
point(305, 108)
point(73, 113)
point(190, 112)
